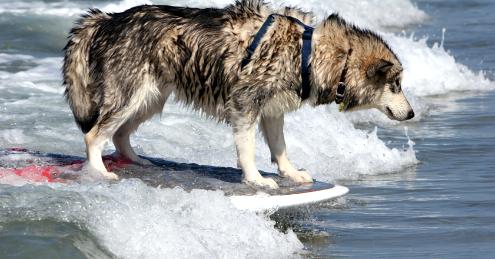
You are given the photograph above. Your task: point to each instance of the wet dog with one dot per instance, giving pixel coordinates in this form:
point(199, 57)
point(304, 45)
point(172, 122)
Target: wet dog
point(120, 68)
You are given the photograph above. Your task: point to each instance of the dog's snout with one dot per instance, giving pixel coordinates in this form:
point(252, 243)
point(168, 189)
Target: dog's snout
point(410, 115)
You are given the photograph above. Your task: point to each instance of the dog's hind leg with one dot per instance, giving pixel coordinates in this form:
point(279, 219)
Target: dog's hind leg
point(148, 109)
point(98, 136)
point(273, 131)
point(95, 141)
point(122, 142)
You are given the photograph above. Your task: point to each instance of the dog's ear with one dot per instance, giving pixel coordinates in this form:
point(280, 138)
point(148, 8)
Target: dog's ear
point(380, 67)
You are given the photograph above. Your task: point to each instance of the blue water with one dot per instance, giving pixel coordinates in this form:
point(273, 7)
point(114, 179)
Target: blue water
point(444, 207)
point(435, 203)
point(468, 30)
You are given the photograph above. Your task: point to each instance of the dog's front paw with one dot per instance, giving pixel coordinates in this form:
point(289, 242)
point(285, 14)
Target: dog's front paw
point(262, 182)
point(98, 172)
point(298, 176)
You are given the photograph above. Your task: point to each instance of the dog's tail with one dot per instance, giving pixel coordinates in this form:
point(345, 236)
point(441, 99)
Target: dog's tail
point(77, 72)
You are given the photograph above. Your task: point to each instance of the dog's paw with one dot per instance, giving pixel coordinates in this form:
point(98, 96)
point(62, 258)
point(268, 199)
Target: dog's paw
point(132, 158)
point(262, 182)
point(142, 161)
point(298, 176)
point(98, 172)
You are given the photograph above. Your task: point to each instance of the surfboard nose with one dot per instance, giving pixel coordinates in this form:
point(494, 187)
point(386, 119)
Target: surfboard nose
point(266, 202)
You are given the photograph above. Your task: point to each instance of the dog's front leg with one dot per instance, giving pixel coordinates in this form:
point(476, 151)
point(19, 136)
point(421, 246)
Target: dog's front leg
point(273, 130)
point(244, 137)
point(244, 109)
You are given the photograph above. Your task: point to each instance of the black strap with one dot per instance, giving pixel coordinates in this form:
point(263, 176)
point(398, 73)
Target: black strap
point(339, 95)
point(305, 56)
point(305, 64)
point(256, 41)
point(305, 51)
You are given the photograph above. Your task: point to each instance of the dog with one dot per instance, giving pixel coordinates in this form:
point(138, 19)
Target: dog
point(120, 68)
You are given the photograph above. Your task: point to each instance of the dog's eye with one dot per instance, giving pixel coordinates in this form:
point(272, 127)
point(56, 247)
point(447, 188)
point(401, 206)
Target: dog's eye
point(396, 87)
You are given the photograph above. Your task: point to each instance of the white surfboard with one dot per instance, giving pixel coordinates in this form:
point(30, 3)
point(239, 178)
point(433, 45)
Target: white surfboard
point(263, 201)
point(44, 167)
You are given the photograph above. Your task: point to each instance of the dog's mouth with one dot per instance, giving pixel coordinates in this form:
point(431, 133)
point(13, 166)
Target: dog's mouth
point(389, 113)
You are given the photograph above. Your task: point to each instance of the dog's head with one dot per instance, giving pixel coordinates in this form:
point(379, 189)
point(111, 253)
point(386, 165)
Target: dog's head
point(376, 82)
point(372, 72)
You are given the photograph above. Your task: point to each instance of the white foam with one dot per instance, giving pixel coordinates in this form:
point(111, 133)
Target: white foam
point(370, 13)
point(64, 8)
point(6, 58)
point(133, 220)
point(400, 13)
point(432, 70)
point(14, 137)
point(123, 5)
point(40, 75)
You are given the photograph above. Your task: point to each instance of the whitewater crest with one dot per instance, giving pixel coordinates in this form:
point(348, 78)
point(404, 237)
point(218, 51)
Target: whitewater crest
point(133, 220)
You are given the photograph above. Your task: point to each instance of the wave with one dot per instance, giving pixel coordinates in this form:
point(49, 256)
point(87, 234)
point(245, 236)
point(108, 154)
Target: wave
point(432, 70)
point(376, 14)
point(63, 8)
point(400, 13)
point(133, 220)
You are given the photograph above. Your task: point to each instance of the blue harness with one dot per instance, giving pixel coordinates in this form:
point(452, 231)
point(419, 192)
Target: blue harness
point(305, 51)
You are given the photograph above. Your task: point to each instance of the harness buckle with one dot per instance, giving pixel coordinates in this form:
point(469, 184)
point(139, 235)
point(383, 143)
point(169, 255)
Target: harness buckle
point(339, 96)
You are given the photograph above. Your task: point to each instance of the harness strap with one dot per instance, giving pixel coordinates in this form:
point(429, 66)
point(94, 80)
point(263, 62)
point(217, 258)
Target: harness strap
point(305, 51)
point(339, 95)
point(256, 41)
point(305, 64)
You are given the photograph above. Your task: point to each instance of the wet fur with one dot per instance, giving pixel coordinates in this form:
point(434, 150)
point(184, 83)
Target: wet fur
point(120, 68)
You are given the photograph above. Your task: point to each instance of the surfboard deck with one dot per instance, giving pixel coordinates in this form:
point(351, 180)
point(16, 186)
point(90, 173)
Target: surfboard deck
point(48, 167)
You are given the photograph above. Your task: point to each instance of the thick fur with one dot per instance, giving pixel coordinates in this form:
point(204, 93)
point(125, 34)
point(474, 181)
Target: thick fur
point(120, 68)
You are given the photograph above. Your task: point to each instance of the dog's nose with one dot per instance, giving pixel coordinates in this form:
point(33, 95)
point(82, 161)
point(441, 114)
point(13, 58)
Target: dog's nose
point(410, 115)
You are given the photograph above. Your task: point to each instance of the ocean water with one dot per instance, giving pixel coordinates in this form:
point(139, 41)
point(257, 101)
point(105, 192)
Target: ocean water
point(419, 189)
